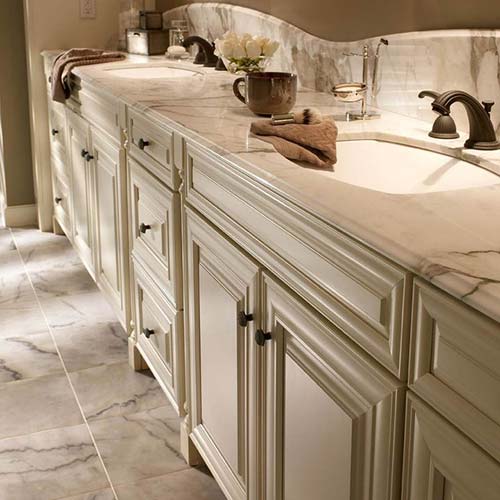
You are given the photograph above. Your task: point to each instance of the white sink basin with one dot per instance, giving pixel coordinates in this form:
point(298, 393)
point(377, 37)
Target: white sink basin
point(397, 169)
point(141, 72)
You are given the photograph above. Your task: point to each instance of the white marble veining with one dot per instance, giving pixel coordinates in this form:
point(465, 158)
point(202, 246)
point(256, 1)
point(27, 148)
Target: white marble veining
point(438, 60)
point(450, 238)
point(47, 451)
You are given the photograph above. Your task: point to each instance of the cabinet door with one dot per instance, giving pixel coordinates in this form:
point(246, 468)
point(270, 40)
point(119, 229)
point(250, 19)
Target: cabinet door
point(333, 418)
point(109, 192)
point(441, 463)
point(222, 284)
point(82, 181)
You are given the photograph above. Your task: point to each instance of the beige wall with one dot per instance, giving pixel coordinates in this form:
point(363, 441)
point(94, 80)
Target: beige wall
point(353, 20)
point(15, 146)
point(55, 24)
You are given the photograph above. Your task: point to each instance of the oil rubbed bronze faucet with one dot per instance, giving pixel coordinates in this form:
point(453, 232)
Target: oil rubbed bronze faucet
point(206, 54)
point(482, 133)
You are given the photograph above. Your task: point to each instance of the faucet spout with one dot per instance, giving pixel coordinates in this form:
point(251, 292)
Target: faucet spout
point(481, 131)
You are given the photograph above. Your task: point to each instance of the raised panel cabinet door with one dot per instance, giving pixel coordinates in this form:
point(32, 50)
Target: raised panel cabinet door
point(109, 198)
point(81, 189)
point(222, 285)
point(441, 463)
point(333, 425)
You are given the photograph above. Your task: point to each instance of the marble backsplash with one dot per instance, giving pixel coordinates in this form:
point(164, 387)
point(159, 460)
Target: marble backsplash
point(468, 60)
point(129, 17)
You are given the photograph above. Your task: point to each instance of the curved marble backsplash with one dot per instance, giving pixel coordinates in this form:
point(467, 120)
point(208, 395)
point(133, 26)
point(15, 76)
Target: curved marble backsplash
point(439, 60)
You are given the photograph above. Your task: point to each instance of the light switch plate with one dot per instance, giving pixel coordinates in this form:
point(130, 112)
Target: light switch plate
point(87, 9)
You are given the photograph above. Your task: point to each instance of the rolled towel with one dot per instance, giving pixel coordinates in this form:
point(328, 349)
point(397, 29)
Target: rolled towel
point(65, 62)
point(314, 143)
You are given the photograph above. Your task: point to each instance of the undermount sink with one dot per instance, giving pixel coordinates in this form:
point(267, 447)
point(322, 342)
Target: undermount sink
point(141, 72)
point(397, 169)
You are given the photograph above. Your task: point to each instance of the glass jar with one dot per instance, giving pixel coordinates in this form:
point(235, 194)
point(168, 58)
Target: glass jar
point(178, 31)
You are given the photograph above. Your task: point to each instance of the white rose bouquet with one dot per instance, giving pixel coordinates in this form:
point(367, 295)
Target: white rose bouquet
point(245, 53)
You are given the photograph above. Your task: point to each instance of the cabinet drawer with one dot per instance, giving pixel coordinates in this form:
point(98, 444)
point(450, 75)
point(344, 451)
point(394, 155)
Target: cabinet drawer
point(62, 204)
point(99, 110)
point(455, 364)
point(441, 463)
point(57, 124)
point(365, 295)
point(159, 336)
point(156, 231)
point(152, 145)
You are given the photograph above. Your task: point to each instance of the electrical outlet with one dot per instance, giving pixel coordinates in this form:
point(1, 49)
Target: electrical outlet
point(87, 9)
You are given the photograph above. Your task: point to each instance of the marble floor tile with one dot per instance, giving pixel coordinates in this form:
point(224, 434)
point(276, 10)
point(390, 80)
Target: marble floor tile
point(62, 279)
point(21, 317)
point(106, 494)
point(116, 390)
point(14, 287)
point(27, 239)
point(37, 404)
point(138, 446)
point(49, 465)
point(49, 254)
point(11, 263)
point(91, 346)
point(28, 357)
point(189, 484)
point(6, 241)
point(78, 310)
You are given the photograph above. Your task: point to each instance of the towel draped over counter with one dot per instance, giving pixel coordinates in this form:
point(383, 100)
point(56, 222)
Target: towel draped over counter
point(67, 61)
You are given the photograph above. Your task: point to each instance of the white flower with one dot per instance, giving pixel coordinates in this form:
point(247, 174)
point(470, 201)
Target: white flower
point(270, 48)
point(245, 38)
point(238, 51)
point(262, 41)
point(225, 48)
point(253, 48)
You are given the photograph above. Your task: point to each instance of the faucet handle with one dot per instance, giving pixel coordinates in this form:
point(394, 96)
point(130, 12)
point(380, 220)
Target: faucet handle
point(488, 105)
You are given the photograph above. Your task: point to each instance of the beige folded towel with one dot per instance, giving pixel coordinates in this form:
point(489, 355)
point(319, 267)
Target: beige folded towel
point(67, 61)
point(315, 143)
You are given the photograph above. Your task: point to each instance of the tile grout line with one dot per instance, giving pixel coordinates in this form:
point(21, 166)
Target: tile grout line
point(64, 366)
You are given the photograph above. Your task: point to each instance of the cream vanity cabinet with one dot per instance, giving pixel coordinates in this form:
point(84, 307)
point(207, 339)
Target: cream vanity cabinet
point(157, 339)
point(283, 405)
point(89, 185)
point(99, 208)
point(81, 188)
point(452, 443)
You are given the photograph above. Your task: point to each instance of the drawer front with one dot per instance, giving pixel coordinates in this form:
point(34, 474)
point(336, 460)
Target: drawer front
point(159, 336)
point(156, 231)
point(455, 363)
point(101, 111)
point(57, 131)
point(365, 295)
point(152, 146)
point(441, 463)
point(62, 204)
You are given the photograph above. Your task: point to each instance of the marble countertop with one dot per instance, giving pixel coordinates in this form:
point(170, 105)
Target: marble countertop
point(450, 238)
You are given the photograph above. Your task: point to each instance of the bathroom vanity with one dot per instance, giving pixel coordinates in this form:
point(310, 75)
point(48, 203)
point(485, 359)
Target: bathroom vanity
point(321, 339)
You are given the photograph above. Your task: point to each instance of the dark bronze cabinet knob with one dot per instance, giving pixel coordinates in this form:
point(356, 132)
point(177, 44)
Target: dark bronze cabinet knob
point(142, 144)
point(89, 157)
point(144, 228)
point(54, 132)
point(84, 153)
point(147, 332)
point(57, 200)
point(262, 337)
point(244, 319)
